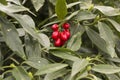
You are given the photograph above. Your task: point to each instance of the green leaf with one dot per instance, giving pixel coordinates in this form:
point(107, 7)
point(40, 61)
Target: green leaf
point(36, 62)
point(106, 69)
point(44, 40)
point(30, 28)
point(32, 47)
point(78, 66)
point(107, 34)
point(84, 15)
point(57, 74)
point(20, 74)
point(108, 11)
point(73, 4)
point(64, 55)
point(112, 77)
point(14, 1)
point(8, 78)
point(38, 4)
point(115, 24)
point(96, 39)
point(75, 42)
point(49, 68)
point(53, 1)
point(61, 9)
point(11, 37)
point(3, 2)
point(12, 8)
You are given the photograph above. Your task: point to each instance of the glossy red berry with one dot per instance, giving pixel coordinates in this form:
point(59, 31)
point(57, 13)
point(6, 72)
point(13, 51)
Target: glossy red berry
point(63, 36)
point(55, 35)
point(67, 32)
point(57, 43)
point(66, 25)
point(55, 27)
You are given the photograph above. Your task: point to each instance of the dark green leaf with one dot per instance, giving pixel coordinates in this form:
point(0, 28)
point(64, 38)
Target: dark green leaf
point(61, 9)
point(49, 68)
point(108, 11)
point(106, 69)
point(11, 37)
point(31, 28)
point(20, 74)
point(107, 34)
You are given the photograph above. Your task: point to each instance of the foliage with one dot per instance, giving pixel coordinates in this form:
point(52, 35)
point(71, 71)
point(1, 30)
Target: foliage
point(26, 47)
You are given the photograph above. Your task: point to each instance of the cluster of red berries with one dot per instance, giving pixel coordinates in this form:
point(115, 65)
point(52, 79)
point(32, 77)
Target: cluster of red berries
point(60, 37)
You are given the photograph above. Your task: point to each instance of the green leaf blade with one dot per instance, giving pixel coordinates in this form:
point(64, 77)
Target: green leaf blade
point(107, 34)
point(61, 9)
point(50, 68)
point(106, 69)
point(11, 37)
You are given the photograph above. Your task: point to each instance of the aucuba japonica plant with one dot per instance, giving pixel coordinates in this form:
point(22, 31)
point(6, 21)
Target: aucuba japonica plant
point(59, 40)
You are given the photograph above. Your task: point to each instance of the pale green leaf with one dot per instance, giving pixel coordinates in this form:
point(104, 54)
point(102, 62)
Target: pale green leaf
point(64, 55)
point(115, 24)
point(112, 77)
point(78, 66)
point(106, 69)
point(49, 68)
point(36, 62)
point(20, 74)
point(44, 40)
point(107, 34)
point(84, 15)
point(61, 9)
point(14, 1)
point(12, 8)
point(54, 75)
point(75, 42)
point(96, 39)
point(11, 37)
point(108, 11)
point(73, 4)
point(38, 4)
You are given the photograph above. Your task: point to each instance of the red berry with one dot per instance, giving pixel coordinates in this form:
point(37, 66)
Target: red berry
point(55, 35)
point(63, 36)
point(57, 43)
point(67, 32)
point(55, 27)
point(62, 43)
point(66, 25)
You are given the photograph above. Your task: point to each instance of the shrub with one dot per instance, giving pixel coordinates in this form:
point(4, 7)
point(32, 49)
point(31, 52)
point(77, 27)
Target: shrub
point(59, 40)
